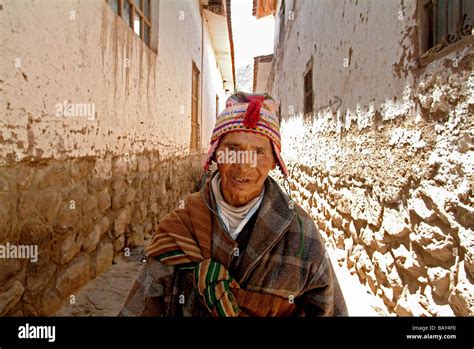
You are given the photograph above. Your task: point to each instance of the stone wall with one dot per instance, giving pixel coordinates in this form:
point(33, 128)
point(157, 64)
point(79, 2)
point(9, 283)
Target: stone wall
point(395, 199)
point(82, 214)
point(386, 172)
point(82, 186)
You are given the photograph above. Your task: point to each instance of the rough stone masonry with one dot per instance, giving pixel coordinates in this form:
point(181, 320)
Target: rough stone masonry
point(82, 214)
point(391, 190)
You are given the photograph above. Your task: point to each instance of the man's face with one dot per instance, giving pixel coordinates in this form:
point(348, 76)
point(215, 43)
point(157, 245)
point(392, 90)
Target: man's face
point(242, 181)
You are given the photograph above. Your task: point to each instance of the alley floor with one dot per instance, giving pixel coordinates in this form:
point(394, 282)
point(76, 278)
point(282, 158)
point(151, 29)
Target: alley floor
point(105, 295)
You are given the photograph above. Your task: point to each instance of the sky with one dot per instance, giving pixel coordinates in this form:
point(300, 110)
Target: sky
point(252, 37)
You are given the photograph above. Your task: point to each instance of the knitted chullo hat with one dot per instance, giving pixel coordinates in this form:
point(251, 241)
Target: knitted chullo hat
point(247, 112)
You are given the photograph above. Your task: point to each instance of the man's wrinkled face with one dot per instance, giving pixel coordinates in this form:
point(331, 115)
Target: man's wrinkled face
point(243, 160)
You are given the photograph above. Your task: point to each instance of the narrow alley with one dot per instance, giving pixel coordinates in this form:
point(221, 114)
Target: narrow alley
point(109, 108)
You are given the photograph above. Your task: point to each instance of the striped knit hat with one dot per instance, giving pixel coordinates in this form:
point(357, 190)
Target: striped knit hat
point(247, 112)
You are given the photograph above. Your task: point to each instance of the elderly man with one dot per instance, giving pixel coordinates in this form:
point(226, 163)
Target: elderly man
point(240, 246)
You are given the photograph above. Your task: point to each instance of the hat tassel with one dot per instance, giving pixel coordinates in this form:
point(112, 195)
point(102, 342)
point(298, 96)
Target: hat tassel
point(252, 115)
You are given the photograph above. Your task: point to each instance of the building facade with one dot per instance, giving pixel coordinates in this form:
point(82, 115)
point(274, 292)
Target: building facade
point(107, 107)
point(377, 104)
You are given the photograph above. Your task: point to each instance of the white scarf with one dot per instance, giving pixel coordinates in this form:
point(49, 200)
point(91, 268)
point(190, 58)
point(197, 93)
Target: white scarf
point(234, 218)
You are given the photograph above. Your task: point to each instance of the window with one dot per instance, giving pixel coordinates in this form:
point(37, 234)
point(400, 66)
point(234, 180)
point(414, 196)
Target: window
point(137, 14)
point(194, 108)
point(445, 22)
point(217, 106)
point(308, 90)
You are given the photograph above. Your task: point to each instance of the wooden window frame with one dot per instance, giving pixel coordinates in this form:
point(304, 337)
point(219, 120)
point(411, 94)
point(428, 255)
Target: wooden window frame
point(195, 77)
point(140, 12)
point(432, 47)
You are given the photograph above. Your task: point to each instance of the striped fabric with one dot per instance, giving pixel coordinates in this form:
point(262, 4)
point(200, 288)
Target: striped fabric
point(213, 284)
point(233, 119)
point(177, 249)
point(175, 246)
point(212, 280)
